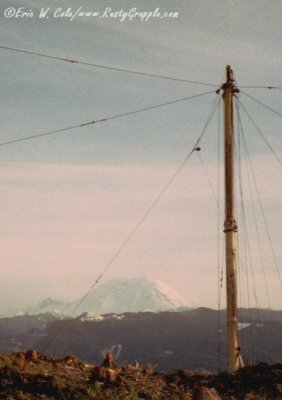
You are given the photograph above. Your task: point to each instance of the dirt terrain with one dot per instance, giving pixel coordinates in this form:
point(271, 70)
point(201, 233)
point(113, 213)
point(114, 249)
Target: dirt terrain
point(30, 375)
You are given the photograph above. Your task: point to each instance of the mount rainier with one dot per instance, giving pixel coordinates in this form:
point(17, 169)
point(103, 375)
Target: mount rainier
point(117, 296)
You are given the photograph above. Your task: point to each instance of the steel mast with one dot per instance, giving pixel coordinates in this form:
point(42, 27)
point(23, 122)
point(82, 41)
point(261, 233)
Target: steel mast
point(230, 225)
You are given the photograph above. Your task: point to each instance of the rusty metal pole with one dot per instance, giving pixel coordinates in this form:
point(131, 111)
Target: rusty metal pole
point(230, 225)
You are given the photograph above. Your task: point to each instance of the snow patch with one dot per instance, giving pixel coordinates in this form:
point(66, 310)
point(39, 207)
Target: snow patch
point(242, 325)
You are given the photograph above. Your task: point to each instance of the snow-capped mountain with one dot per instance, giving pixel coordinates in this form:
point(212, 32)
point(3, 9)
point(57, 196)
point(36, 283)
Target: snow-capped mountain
point(49, 305)
point(118, 296)
point(123, 295)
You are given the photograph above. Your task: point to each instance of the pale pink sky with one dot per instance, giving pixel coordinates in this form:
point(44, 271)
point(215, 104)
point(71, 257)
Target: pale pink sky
point(62, 224)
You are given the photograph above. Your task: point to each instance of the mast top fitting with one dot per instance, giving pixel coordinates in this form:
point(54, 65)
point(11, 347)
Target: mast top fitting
point(230, 82)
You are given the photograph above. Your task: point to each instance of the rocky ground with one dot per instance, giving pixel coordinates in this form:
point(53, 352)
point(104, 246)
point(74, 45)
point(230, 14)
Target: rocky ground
point(30, 375)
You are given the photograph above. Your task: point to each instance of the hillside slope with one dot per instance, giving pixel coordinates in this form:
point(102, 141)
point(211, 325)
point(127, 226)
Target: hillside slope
point(168, 340)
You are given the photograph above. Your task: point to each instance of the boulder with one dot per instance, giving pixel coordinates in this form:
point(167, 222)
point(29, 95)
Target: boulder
point(204, 393)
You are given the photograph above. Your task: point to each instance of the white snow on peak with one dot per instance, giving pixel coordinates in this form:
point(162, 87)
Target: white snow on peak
point(132, 295)
point(117, 296)
point(170, 293)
